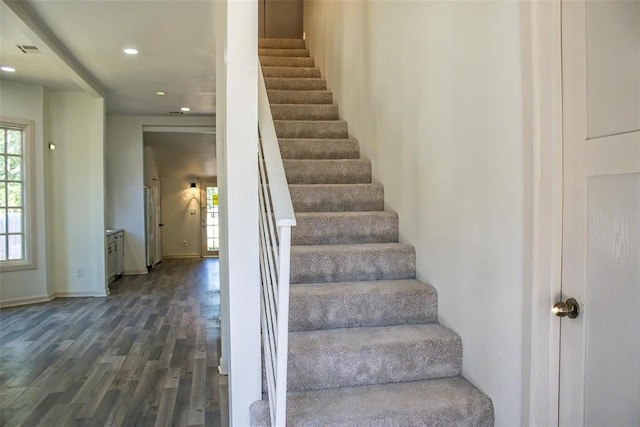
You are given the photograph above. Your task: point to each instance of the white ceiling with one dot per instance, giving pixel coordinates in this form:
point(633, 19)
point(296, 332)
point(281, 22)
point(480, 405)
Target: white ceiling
point(175, 38)
point(183, 154)
point(176, 44)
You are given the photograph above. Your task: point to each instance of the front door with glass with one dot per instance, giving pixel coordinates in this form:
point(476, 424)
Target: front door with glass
point(210, 218)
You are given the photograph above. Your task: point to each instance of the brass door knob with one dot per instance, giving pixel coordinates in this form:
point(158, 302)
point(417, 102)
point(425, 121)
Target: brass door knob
point(570, 308)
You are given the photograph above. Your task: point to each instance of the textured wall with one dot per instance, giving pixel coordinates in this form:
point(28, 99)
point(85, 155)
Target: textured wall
point(433, 92)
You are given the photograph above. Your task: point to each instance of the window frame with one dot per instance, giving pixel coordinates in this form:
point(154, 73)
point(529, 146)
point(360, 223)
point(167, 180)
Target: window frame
point(29, 262)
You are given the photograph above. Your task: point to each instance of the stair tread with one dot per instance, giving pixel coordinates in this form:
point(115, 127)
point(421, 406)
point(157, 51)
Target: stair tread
point(355, 247)
point(327, 171)
point(347, 357)
point(305, 148)
point(359, 338)
point(316, 306)
point(436, 402)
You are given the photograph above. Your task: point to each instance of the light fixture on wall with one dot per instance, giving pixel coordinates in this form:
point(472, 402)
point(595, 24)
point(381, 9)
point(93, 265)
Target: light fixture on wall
point(192, 189)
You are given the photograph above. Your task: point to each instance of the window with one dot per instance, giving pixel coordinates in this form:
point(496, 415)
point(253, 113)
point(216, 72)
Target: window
point(17, 237)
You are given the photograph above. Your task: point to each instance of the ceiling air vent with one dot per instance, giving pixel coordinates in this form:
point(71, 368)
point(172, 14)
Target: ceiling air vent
point(28, 49)
point(176, 113)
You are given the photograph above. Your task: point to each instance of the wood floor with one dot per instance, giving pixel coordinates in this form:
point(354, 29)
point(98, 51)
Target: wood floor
point(144, 356)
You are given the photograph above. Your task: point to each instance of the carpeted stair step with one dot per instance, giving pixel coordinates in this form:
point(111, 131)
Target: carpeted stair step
point(347, 148)
point(291, 72)
point(337, 171)
point(304, 112)
point(300, 97)
point(352, 357)
point(282, 52)
point(286, 61)
point(315, 306)
point(339, 228)
point(311, 128)
point(440, 402)
point(336, 197)
point(348, 263)
point(294, 83)
point(281, 43)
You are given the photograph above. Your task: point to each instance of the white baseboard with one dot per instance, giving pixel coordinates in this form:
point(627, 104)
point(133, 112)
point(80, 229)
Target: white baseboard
point(134, 272)
point(194, 255)
point(78, 294)
point(24, 301)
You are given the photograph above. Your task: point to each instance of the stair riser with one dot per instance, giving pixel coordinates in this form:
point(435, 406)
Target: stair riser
point(281, 44)
point(283, 52)
point(328, 171)
point(441, 402)
point(279, 61)
point(278, 83)
point(334, 129)
point(349, 305)
point(304, 112)
point(319, 148)
point(392, 264)
point(332, 198)
point(323, 363)
point(312, 73)
point(375, 227)
point(299, 97)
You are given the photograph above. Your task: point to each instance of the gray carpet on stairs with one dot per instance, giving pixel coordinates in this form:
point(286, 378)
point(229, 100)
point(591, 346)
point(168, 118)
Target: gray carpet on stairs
point(365, 345)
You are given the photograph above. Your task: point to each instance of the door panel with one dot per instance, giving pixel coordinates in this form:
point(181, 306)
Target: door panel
point(600, 354)
point(613, 61)
point(612, 386)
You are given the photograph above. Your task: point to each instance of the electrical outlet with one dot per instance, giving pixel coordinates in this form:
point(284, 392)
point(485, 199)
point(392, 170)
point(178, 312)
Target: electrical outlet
point(80, 272)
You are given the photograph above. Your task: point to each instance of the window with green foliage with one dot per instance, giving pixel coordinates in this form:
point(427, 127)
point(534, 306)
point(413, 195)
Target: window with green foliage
point(16, 237)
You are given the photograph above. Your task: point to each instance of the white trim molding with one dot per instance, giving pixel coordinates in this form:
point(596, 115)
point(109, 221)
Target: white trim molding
point(25, 301)
point(542, 87)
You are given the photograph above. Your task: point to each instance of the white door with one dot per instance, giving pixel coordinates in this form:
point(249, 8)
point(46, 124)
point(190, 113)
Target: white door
point(210, 218)
point(600, 349)
point(155, 193)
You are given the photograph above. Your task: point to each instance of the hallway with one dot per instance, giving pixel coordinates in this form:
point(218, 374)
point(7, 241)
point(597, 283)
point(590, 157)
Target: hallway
point(146, 355)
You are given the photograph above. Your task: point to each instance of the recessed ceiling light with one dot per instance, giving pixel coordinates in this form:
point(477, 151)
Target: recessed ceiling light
point(161, 93)
point(131, 51)
point(185, 109)
point(8, 69)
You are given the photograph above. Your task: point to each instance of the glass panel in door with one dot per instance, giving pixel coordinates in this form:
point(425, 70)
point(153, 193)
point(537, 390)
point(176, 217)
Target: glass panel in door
point(210, 219)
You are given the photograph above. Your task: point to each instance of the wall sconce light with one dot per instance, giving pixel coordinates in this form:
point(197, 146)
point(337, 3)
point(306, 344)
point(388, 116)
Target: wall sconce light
point(192, 189)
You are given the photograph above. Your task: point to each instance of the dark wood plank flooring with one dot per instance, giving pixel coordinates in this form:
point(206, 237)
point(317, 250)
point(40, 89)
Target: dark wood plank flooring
point(146, 355)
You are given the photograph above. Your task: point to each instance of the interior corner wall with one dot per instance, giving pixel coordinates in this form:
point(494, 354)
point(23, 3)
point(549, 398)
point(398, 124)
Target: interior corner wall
point(181, 219)
point(236, 145)
point(76, 218)
point(150, 168)
point(26, 101)
point(125, 180)
point(432, 90)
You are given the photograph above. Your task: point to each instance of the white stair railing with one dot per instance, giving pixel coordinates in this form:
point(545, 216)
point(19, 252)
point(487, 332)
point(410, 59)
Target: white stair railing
point(276, 219)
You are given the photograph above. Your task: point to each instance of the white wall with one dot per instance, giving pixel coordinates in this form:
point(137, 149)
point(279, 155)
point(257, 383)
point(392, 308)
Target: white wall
point(236, 145)
point(69, 194)
point(76, 219)
point(125, 179)
point(27, 102)
point(433, 92)
point(181, 218)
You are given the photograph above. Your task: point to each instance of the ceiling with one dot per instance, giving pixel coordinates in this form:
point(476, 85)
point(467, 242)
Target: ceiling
point(183, 154)
point(175, 40)
point(81, 48)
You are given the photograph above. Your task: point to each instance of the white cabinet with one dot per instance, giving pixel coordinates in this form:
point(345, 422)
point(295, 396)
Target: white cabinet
point(115, 254)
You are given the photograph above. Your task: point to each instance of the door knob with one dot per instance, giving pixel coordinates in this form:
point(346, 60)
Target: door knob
point(570, 308)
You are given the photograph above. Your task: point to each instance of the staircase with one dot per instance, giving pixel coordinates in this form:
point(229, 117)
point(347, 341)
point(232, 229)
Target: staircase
point(365, 345)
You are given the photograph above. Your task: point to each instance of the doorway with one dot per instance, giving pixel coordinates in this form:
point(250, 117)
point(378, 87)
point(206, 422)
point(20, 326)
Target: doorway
point(210, 218)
